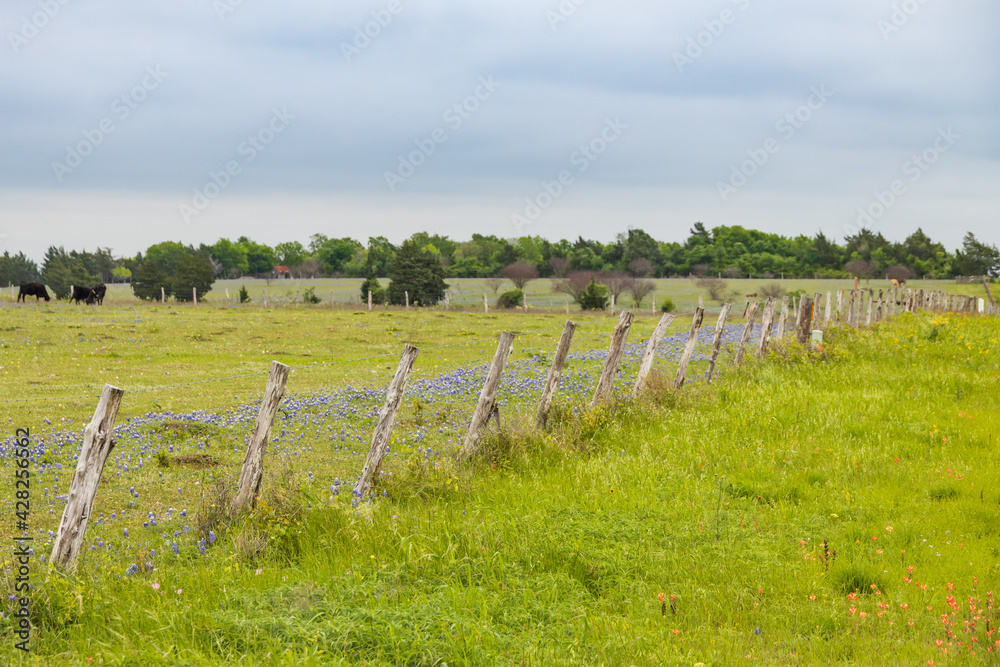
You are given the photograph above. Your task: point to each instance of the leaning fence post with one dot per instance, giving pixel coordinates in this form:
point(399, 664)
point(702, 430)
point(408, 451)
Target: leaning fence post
point(692, 341)
point(747, 330)
point(804, 325)
point(649, 355)
point(720, 328)
point(555, 374)
point(97, 445)
point(386, 419)
point(765, 332)
point(488, 396)
point(615, 352)
point(783, 318)
point(253, 465)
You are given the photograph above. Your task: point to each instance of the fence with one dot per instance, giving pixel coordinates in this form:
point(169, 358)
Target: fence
point(378, 410)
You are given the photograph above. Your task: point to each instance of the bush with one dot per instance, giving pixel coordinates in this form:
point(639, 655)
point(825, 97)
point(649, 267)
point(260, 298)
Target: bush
point(668, 306)
point(244, 295)
point(511, 299)
point(371, 284)
point(193, 272)
point(309, 296)
point(772, 291)
point(595, 297)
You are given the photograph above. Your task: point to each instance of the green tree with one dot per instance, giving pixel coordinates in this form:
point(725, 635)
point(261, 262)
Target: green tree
point(15, 269)
point(977, 258)
point(335, 253)
point(166, 256)
point(418, 272)
point(260, 257)
point(290, 253)
point(378, 294)
point(595, 297)
point(148, 280)
point(232, 256)
point(193, 271)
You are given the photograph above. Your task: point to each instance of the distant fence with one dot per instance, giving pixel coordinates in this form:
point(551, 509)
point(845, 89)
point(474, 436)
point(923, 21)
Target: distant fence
point(802, 319)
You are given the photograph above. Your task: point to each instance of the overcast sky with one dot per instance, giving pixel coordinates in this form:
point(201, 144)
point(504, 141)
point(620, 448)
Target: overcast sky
point(125, 124)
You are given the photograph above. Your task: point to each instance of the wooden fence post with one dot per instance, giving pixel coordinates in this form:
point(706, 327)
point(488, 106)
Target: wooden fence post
point(555, 374)
point(615, 351)
point(194, 295)
point(871, 299)
point(692, 341)
point(878, 308)
point(487, 397)
point(406, 295)
point(369, 301)
point(97, 445)
point(816, 306)
point(850, 309)
point(747, 330)
point(163, 295)
point(386, 419)
point(840, 306)
point(486, 305)
point(720, 327)
point(804, 325)
point(263, 296)
point(447, 300)
point(524, 299)
point(649, 355)
point(252, 471)
point(227, 295)
point(765, 332)
point(783, 318)
point(567, 306)
point(829, 306)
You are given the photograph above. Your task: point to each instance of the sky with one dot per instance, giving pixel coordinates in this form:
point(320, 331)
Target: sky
point(126, 124)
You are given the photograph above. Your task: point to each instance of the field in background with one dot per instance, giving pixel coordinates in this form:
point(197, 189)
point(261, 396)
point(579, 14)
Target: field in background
point(555, 550)
point(468, 292)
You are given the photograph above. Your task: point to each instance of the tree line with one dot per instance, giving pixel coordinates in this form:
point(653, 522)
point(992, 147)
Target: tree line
point(728, 251)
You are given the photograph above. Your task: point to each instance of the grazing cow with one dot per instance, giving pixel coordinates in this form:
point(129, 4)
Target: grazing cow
point(99, 291)
point(36, 290)
point(85, 294)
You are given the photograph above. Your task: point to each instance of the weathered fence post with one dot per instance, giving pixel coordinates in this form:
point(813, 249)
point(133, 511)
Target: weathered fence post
point(369, 301)
point(649, 355)
point(816, 306)
point(766, 323)
point(97, 445)
point(486, 305)
point(447, 300)
point(163, 295)
point(868, 317)
point(851, 320)
point(406, 295)
point(386, 419)
point(615, 351)
point(747, 330)
point(252, 471)
point(524, 300)
point(692, 341)
point(840, 306)
point(804, 325)
point(263, 297)
point(488, 396)
point(555, 374)
point(194, 295)
point(227, 295)
point(720, 327)
point(567, 306)
point(829, 306)
point(783, 318)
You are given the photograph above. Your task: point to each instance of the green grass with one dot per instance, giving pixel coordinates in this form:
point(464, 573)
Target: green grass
point(555, 547)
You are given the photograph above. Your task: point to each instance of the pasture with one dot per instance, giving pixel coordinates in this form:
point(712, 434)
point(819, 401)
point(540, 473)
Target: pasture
point(809, 508)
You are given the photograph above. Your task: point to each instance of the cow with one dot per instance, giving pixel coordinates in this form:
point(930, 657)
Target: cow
point(36, 290)
point(99, 291)
point(85, 294)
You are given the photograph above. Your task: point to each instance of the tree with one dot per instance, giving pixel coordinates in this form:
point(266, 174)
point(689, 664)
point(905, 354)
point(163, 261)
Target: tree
point(900, 274)
point(335, 253)
point(640, 289)
point(418, 272)
point(290, 253)
point(594, 296)
point(862, 268)
point(148, 280)
point(260, 257)
point(574, 284)
point(717, 289)
point(641, 268)
point(772, 291)
point(232, 257)
point(15, 269)
point(511, 299)
point(616, 282)
point(381, 255)
point(371, 284)
point(193, 271)
point(977, 258)
point(166, 256)
point(520, 273)
point(559, 266)
point(494, 284)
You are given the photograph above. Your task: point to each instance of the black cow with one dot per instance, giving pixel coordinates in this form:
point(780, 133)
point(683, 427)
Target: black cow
point(99, 291)
point(85, 294)
point(36, 290)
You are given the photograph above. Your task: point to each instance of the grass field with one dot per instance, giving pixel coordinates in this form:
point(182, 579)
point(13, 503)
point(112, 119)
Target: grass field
point(686, 527)
point(468, 292)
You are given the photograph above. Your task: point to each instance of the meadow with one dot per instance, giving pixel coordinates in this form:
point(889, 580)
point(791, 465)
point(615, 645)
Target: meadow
point(808, 508)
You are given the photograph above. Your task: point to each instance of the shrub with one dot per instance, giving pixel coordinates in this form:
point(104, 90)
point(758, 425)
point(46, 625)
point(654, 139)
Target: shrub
point(595, 297)
point(371, 284)
point(309, 296)
point(772, 291)
point(668, 306)
point(244, 295)
point(511, 299)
